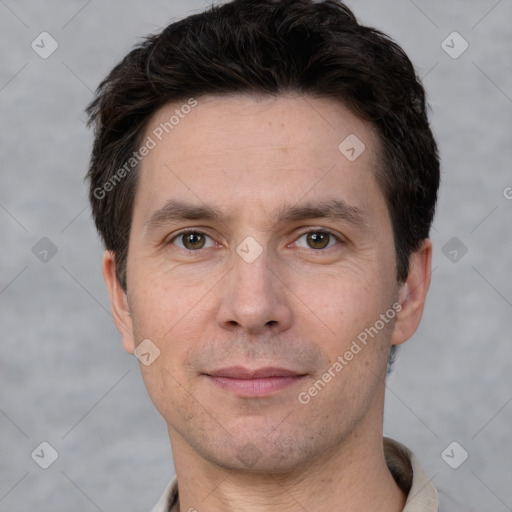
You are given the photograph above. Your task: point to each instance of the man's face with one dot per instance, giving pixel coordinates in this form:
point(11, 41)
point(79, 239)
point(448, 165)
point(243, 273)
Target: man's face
point(210, 301)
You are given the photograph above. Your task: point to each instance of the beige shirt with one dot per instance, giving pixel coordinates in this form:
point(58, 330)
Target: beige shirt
point(405, 468)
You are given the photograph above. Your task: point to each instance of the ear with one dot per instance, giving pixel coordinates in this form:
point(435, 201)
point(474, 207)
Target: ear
point(118, 302)
point(413, 293)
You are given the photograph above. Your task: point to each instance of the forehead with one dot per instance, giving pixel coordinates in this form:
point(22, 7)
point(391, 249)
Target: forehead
point(280, 121)
point(244, 150)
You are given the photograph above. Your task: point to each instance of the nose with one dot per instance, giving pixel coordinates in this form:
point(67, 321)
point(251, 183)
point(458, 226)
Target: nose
point(254, 298)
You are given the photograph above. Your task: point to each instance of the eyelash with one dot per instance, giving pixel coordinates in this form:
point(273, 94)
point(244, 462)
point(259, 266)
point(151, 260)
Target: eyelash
point(196, 231)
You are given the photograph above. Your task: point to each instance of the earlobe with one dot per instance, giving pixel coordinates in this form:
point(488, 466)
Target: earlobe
point(118, 302)
point(413, 293)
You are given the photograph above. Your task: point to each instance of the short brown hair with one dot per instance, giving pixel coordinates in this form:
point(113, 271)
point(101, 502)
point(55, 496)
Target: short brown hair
point(268, 47)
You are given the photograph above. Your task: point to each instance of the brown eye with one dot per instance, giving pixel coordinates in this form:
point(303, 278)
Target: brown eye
point(318, 240)
point(191, 240)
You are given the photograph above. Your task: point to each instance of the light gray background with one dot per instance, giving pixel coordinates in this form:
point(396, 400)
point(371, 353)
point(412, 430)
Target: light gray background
point(64, 377)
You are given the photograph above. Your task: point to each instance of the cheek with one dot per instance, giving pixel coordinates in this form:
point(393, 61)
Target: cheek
point(344, 302)
point(179, 317)
point(161, 303)
point(175, 323)
point(348, 307)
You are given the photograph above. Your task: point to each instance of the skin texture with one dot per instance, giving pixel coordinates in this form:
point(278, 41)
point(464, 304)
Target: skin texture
point(296, 306)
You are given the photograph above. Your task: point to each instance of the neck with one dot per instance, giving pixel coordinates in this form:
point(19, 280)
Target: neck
point(353, 475)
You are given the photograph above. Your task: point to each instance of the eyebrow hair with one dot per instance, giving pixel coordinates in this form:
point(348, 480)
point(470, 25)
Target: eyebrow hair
point(176, 210)
point(334, 209)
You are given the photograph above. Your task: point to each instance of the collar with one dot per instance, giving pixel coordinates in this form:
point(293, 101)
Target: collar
point(405, 468)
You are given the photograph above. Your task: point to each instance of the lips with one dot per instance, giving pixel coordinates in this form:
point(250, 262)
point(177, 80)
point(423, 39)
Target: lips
point(246, 382)
point(239, 372)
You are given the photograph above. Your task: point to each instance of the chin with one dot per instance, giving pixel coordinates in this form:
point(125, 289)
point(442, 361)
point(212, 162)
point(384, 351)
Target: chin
point(278, 455)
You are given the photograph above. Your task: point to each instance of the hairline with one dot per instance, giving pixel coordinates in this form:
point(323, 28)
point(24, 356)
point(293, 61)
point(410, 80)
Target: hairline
point(378, 167)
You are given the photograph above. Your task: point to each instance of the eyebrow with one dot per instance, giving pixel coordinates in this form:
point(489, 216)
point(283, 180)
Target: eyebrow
point(176, 210)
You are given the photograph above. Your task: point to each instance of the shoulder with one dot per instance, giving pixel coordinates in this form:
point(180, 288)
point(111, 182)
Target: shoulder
point(168, 498)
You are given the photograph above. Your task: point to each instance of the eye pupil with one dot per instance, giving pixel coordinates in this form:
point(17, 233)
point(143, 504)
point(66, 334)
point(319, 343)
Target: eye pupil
point(318, 240)
point(193, 240)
